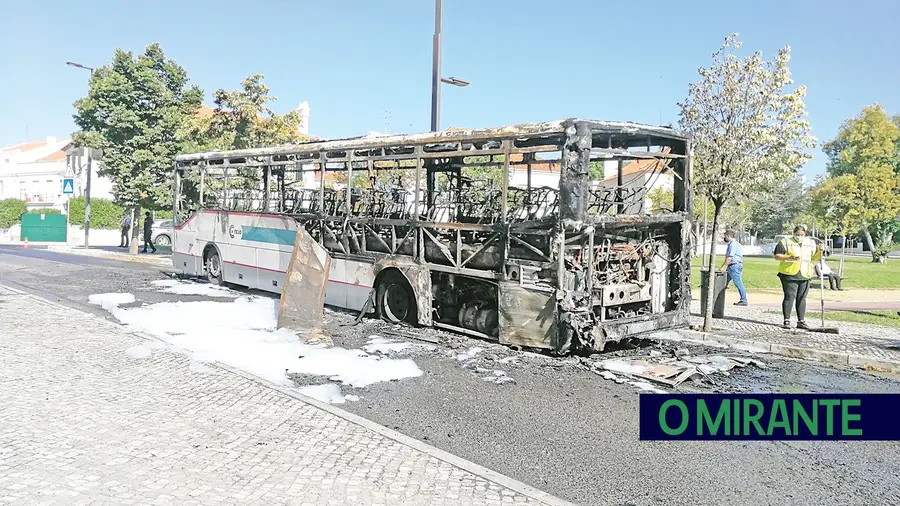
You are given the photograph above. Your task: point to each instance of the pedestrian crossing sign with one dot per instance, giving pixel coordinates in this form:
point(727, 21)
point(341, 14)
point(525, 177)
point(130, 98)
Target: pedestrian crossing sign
point(68, 186)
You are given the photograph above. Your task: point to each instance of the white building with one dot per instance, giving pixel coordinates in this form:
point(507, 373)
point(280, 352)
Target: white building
point(34, 171)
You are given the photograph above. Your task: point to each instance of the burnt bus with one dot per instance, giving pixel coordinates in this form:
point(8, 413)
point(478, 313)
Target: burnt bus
point(541, 235)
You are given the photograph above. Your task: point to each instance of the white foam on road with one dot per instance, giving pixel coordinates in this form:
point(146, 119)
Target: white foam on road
point(329, 392)
point(382, 346)
point(111, 300)
point(191, 288)
point(470, 354)
point(242, 334)
point(385, 346)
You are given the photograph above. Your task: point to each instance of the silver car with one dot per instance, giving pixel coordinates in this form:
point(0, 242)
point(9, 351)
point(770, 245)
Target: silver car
point(161, 233)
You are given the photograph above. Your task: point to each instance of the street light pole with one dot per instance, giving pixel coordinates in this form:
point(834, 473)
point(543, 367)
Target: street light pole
point(436, 78)
point(436, 67)
point(87, 186)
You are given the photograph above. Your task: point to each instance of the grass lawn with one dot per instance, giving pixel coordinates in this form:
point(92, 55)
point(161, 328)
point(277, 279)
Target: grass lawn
point(860, 272)
point(886, 318)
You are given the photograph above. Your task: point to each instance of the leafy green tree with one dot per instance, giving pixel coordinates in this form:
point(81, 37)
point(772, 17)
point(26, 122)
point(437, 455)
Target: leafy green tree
point(242, 119)
point(863, 186)
point(134, 112)
point(748, 127)
point(662, 200)
point(769, 212)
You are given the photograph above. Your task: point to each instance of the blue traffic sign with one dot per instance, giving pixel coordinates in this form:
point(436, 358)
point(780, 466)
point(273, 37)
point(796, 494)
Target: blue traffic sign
point(68, 186)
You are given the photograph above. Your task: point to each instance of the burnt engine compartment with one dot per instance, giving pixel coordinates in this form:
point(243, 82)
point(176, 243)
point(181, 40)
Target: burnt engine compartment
point(466, 302)
point(627, 273)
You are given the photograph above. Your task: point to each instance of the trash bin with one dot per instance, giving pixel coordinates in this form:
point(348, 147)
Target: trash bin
point(718, 293)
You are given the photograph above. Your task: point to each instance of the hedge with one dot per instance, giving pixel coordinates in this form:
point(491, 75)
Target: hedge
point(43, 211)
point(104, 214)
point(11, 211)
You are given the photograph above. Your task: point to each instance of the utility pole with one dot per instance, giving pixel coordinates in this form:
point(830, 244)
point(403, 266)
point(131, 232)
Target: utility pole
point(436, 78)
point(436, 67)
point(87, 202)
point(87, 187)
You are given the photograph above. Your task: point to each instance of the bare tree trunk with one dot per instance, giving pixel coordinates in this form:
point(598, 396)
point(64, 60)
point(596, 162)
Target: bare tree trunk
point(711, 282)
point(135, 230)
point(871, 244)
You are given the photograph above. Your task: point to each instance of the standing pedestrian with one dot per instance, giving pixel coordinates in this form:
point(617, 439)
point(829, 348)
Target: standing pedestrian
point(148, 232)
point(734, 266)
point(796, 255)
point(126, 231)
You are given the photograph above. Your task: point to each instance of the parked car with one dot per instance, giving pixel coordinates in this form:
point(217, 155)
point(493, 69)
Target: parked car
point(161, 234)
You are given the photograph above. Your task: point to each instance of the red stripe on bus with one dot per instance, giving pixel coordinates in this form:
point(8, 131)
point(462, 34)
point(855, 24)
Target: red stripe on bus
point(283, 272)
point(255, 267)
point(346, 283)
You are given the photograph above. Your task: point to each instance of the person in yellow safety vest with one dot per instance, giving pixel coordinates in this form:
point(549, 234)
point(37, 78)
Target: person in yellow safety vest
point(797, 255)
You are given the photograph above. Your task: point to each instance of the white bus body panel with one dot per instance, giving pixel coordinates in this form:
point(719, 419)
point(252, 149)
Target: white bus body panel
point(255, 250)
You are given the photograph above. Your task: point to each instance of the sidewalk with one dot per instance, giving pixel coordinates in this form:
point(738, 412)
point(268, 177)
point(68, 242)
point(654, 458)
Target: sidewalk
point(758, 329)
point(94, 414)
point(834, 300)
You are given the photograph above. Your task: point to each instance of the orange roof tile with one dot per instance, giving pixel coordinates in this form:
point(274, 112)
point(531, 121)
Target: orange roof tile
point(53, 157)
point(639, 166)
point(547, 166)
point(26, 146)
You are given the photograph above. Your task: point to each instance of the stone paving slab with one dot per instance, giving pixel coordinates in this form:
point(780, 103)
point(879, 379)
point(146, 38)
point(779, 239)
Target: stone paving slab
point(88, 418)
point(756, 329)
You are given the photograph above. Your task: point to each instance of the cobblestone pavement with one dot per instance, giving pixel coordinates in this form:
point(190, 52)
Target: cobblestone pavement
point(762, 325)
point(89, 418)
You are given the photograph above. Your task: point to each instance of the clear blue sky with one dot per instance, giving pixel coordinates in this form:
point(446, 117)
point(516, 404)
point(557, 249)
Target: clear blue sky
point(365, 65)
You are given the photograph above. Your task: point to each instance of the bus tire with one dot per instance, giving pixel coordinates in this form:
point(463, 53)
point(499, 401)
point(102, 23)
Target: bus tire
point(395, 301)
point(214, 267)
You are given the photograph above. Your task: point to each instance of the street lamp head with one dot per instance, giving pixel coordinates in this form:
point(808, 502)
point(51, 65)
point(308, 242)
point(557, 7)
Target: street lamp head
point(455, 81)
point(78, 65)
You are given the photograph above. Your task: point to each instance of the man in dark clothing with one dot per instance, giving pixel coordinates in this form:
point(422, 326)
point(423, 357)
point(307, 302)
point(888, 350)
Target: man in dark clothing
point(148, 232)
point(797, 256)
point(126, 231)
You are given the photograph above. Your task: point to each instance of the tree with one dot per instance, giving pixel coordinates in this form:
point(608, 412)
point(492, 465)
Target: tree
point(864, 178)
point(242, 119)
point(749, 130)
point(770, 212)
point(662, 200)
point(134, 111)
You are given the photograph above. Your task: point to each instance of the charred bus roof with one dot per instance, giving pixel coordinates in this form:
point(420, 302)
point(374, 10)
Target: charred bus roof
point(621, 135)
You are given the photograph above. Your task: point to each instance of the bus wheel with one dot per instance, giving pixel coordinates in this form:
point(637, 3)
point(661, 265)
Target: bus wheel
point(395, 299)
point(214, 268)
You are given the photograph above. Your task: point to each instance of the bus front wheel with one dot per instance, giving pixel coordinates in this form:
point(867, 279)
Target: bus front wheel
point(396, 301)
point(214, 268)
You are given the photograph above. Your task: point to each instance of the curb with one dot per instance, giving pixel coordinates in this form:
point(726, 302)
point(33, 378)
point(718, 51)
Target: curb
point(785, 350)
point(112, 256)
point(455, 461)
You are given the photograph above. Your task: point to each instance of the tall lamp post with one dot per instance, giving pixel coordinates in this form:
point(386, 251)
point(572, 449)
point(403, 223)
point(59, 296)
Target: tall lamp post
point(87, 187)
point(436, 78)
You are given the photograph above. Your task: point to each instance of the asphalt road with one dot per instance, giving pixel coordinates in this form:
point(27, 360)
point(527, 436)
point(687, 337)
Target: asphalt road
point(559, 426)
